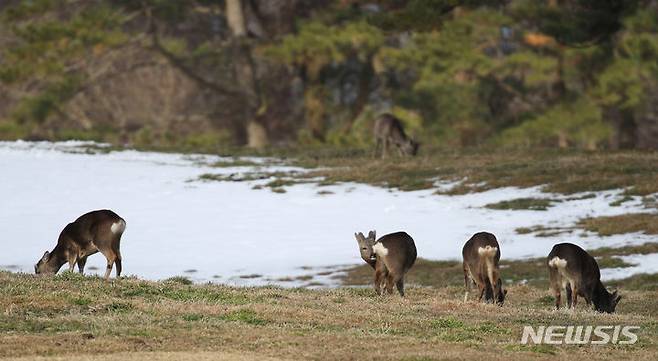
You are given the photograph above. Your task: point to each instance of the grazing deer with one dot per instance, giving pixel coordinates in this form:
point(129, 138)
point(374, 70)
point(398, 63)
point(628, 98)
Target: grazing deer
point(571, 268)
point(481, 257)
point(96, 231)
point(389, 130)
point(391, 257)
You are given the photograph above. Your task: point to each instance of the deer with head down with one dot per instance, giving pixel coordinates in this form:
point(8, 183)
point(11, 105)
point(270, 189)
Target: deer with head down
point(390, 132)
point(572, 269)
point(391, 257)
point(96, 231)
point(481, 257)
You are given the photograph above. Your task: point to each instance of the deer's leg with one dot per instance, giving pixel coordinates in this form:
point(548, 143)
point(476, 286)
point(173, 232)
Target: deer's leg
point(384, 147)
point(488, 290)
point(378, 281)
point(569, 292)
point(400, 151)
point(81, 264)
point(108, 270)
point(574, 292)
point(558, 300)
point(481, 287)
point(390, 281)
point(118, 263)
point(117, 260)
point(381, 273)
point(72, 260)
point(555, 282)
point(588, 301)
point(111, 257)
point(400, 285)
point(467, 282)
point(496, 289)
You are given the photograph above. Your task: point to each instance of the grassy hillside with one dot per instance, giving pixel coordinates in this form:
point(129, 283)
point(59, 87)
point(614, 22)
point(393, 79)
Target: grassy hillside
point(473, 170)
point(77, 318)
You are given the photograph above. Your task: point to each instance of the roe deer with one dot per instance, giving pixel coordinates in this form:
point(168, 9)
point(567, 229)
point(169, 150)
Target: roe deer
point(96, 231)
point(391, 257)
point(481, 256)
point(389, 131)
point(571, 268)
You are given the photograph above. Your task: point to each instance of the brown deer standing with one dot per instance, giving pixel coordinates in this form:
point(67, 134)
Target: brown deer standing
point(391, 257)
point(573, 269)
point(481, 257)
point(389, 131)
point(96, 231)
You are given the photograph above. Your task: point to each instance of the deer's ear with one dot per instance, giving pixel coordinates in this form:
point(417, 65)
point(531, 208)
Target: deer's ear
point(372, 234)
point(45, 255)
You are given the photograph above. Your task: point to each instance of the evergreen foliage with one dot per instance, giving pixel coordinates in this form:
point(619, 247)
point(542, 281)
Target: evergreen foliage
point(514, 73)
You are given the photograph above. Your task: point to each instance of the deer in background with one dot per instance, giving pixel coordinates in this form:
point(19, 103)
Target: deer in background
point(389, 131)
point(96, 231)
point(572, 269)
point(481, 257)
point(391, 257)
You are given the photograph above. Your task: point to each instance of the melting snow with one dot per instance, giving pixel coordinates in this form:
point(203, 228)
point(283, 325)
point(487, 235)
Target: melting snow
point(219, 231)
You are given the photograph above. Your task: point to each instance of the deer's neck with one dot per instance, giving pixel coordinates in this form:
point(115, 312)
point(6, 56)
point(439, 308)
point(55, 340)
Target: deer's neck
point(599, 294)
point(371, 261)
point(58, 256)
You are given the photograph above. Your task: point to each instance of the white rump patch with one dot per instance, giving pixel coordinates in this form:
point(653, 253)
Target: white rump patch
point(557, 262)
point(487, 251)
point(380, 250)
point(118, 227)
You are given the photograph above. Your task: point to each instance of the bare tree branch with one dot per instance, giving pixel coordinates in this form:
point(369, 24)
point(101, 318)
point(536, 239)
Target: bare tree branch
point(180, 63)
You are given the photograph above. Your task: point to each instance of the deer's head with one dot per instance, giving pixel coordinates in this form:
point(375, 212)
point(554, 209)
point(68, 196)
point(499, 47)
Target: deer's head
point(605, 301)
point(46, 265)
point(500, 297)
point(365, 245)
point(410, 147)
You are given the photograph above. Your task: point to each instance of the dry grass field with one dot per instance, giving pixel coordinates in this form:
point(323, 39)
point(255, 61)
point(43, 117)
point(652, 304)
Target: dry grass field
point(71, 317)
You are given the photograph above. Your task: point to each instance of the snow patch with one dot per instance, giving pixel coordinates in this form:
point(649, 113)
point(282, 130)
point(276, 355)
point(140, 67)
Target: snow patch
point(225, 230)
point(644, 263)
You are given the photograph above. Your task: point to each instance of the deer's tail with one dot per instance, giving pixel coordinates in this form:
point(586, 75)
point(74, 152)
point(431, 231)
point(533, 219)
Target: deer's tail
point(488, 253)
point(118, 227)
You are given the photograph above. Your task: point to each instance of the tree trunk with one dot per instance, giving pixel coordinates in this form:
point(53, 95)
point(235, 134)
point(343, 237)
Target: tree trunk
point(235, 18)
point(625, 128)
point(245, 72)
point(647, 120)
point(365, 79)
point(562, 140)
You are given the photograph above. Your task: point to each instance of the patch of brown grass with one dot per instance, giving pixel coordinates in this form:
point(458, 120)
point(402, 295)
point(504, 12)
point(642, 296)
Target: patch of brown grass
point(625, 223)
point(647, 248)
point(481, 169)
point(154, 356)
point(130, 318)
